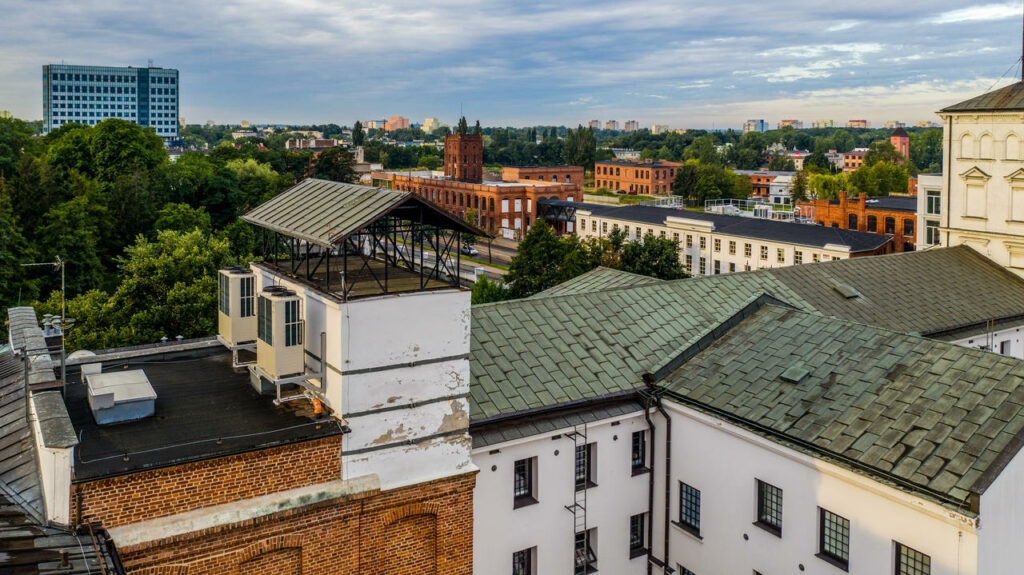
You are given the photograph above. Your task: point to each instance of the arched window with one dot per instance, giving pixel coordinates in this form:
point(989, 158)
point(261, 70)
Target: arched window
point(853, 221)
point(890, 225)
point(1012, 148)
point(872, 224)
point(967, 146)
point(987, 147)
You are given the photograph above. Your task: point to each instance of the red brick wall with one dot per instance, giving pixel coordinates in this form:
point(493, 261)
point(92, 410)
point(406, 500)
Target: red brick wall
point(544, 174)
point(838, 215)
point(464, 157)
point(171, 490)
point(420, 529)
point(639, 177)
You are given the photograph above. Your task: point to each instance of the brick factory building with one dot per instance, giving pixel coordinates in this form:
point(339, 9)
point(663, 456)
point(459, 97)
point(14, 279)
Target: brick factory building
point(244, 453)
point(507, 207)
point(636, 177)
point(893, 216)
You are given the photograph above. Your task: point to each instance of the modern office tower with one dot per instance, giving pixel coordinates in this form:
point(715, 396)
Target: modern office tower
point(88, 95)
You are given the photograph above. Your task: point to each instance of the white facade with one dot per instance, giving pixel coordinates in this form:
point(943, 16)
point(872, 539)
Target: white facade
point(397, 375)
point(88, 95)
point(929, 209)
point(724, 462)
point(983, 200)
point(547, 526)
point(780, 191)
point(703, 251)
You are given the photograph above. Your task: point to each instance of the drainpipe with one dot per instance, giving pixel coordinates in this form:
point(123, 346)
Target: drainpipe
point(948, 152)
point(650, 493)
point(668, 475)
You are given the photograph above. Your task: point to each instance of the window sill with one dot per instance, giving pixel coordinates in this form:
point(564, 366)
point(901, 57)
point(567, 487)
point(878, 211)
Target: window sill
point(589, 485)
point(688, 530)
point(634, 553)
point(845, 566)
point(640, 470)
point(523, 501)
point(776, 531)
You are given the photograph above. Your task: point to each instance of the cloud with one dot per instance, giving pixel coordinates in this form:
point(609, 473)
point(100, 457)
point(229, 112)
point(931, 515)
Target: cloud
point(581, 101)
point(695, 85)
point(984, 13)
point(842, 26)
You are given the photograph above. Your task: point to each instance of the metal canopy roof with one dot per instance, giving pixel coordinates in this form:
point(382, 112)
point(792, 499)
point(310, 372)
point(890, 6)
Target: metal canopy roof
point(325, 213)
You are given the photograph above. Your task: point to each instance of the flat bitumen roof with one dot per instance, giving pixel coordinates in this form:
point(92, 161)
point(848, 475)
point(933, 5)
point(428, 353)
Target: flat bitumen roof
point(204, 409)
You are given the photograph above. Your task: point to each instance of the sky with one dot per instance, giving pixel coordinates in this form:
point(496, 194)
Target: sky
point(683, 63)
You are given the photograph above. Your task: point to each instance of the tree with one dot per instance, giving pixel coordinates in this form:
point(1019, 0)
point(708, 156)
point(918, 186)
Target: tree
point(429, 162)
point(881, 179)
point(537, 265)
point(335, 164)
point(463, 128)
point(781, 163)
point(119, 147)
point(817, 161)
point(926, 150)
point(685, 182)
point(14, 284)
point(15, 137)
point(579, 147)
point(655, 257)
point(357, 134)
point(183, 218)
point(75, 230)
point(477, 130)
point(826, 186)
point(486, 290)
point(799, 191)
point(882, 151)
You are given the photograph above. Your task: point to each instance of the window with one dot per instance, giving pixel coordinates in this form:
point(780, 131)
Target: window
point(908, 227)
point(703, 243)
point(732, 267)
point(638, 458)
point(890, 225)
point(689, 508)
point(732, 248)
point(798, 257)
point(872, 224)
point(703, 266)
point(265, 321)
point(689, 241)
point(583, 224)
point(1004, 347)
point(816, 257)
point(934, 202)
point(585, 556)
point(769, 507)
point(593, 226)
point(912, 562)
point(585, 466)
point(292, 323)
point(833, 538)
point(683, 570)
point(247, 296)
point(523, 562)
point(718, 245)
point(780, 255)
point(718, 267)
point(675, 238)
point(604, 227)
point(224, 301)
point(637, 541)
point(764, 253)
point(523, 482)
point(747, 250)
point(853, 222)
point(689, 265)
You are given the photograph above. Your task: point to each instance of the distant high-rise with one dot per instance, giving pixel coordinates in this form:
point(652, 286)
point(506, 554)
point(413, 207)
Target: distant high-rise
point(4, 114)
point(431, 124)
point(396, 123)
point(88, 95)
point(594, 124)
point(659, 129)
point(858, 124)
point(611, 125)
point(824, 124)
point(631, 126)
point(755, 126)
point(796, 124)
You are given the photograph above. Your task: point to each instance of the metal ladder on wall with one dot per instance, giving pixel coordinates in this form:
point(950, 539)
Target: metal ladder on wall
point(578, 508)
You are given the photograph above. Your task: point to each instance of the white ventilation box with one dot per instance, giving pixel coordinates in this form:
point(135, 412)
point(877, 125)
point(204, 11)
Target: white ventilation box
point(120, 396)
point(280, 331)
point(236, 303)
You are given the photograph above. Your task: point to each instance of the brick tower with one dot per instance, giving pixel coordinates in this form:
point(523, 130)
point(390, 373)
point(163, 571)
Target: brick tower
point(901, 141)
point(464, 157)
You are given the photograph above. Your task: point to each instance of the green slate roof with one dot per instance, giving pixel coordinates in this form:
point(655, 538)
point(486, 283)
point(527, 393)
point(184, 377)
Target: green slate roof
point(1009, 98)
point(929, 292)
point(518, 429)
point(541, 352)
point(598, 279)
point(925, 415)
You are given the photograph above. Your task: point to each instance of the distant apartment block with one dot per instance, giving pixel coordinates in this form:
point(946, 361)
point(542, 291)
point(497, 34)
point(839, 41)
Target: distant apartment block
point(5, 115)
point(823, 124)
point(755, 126)
point(431, 124)
point(312, 144)
point(858, 124)
point(927, 124)
point(893, 124)
point(375, 124)
point(796, 124)
point(90, 94)
point(631, 126)
point(396, 123)
point(594, 124)
point(611, 125)
point(659, 129)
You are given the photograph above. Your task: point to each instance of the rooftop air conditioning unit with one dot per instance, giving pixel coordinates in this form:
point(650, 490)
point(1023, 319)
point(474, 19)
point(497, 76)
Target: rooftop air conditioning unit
point(280, 329)
point(236, 318)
